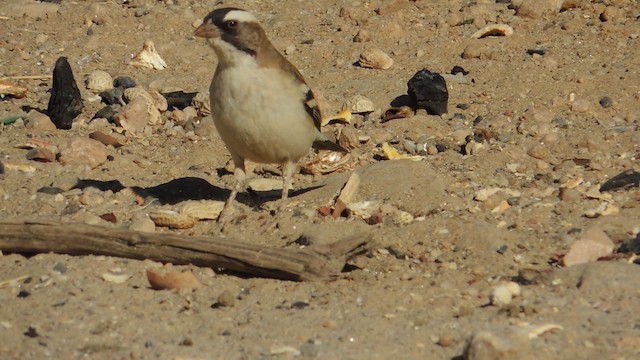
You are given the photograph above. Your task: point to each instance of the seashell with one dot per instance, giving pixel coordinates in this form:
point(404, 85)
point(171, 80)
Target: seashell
point(98, 80)
point(14, 90)
point(172, 219)
point(493, 30)
point(392, 154)
point(41, 154)
point(397, 113)
point(343, 116)
point(148, 57)
point(202, 210)
point(201, 103)
point(375, 59)
point(329, 162)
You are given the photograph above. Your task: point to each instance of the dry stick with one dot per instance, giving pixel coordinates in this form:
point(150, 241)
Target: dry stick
point(320, 263)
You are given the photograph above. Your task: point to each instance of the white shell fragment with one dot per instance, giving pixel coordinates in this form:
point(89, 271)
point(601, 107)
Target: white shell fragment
point(392, 154)
point(148, 57)
point(343, 116)
point(493, 30)
point(98, 80)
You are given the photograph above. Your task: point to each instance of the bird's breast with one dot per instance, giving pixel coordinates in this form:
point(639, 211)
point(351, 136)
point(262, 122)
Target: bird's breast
point(260, 114)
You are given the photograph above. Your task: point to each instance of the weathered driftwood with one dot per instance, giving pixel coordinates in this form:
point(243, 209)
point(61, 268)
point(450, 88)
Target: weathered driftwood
point(311, 263)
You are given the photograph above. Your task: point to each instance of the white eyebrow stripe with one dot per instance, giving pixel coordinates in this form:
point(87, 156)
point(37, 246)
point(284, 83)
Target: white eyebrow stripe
point(241, 16)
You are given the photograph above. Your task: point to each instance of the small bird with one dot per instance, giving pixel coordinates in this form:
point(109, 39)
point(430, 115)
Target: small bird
point(261, 106)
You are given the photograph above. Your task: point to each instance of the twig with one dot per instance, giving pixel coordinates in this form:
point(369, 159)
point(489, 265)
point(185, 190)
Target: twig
point(26, 77)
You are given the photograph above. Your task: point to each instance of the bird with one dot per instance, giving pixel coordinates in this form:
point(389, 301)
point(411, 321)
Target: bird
point(261, 105)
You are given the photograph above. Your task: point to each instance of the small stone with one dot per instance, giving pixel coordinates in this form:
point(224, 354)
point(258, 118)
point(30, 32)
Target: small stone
point(359, 104)
point(429, 91)
point(39, 121)
point(473, 51)
point(226, 299)
point(143, 225)
point(445, 341)
point(593, 245)
point(605, 102)
point(536, 9)
point(136, 115)
point(498, 345)
point(115, 140)
point(500, 296)
point(124, 82)
point(83, 151)
point(581, 106)
point(375, 59)
point(41, 154)
point(362, 36)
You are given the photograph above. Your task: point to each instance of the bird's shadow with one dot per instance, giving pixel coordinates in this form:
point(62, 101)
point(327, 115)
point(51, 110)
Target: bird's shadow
point(188, 188)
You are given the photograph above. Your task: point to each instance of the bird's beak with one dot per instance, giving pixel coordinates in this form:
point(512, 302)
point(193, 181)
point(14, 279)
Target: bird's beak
point(207, 31)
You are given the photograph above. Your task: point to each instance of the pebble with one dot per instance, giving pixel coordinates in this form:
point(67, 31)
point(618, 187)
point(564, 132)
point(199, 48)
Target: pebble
point(226, 299)
point(536, 9)
point(41, 154)
point(359, 104)
point(497, 344)
point(116, 140)
point(124, 82)
point(500, 296)
point(362, 36)
point(136, 115)
point(83, 151)
point(605, 102)
point(39, 121)
point(593, 245)
point(143, 225)
point(375, 59)
point(581, 106)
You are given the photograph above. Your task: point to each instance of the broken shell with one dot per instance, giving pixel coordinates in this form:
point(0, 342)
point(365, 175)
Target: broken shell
point(41, 154)
point(148, 57)
point(329, 162)
point(493, 30)
point(375, 59)
point(172, 219)
point(98, 80)
point(343, 116)
point(201, 103)
point(202, 210)
point(173, 280)
point(397, 113)
point(14, 90)
point(392, 154)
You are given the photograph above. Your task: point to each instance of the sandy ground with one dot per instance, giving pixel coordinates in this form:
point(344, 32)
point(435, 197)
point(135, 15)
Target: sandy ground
point(508, 182)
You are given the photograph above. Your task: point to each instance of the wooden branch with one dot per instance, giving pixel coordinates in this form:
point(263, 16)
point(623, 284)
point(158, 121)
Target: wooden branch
point(321, 263)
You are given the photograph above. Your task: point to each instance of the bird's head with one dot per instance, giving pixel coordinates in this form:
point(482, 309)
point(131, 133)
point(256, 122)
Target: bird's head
point(232, 26)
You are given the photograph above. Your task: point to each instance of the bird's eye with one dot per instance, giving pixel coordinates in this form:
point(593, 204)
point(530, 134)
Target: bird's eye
point(231, 24)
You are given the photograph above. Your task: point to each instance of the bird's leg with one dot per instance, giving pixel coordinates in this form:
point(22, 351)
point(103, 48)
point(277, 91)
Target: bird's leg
point(240, 175)
point(287, 175)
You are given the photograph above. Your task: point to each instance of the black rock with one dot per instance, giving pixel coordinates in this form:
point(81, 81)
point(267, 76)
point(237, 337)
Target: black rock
point(179, 99)
point(65, 102)
point(107, 112)
point(113, 96)
point(1, 170)
point(124, 82)
point(624, 180)
point(429, 91)
point(605, 102)
point(535, 51)
point(458, 69)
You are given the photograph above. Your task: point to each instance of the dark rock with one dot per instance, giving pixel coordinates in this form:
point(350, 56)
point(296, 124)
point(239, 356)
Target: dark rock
point(179, 99)
point(113, 96)
point(429, 91)
point(535, 51)
point(65, 102)
point(107, 112)
point(50, 190)
point(627, 179)
point(605, 102)
point(458, 69)
point(124, 82)
point(1, 170)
